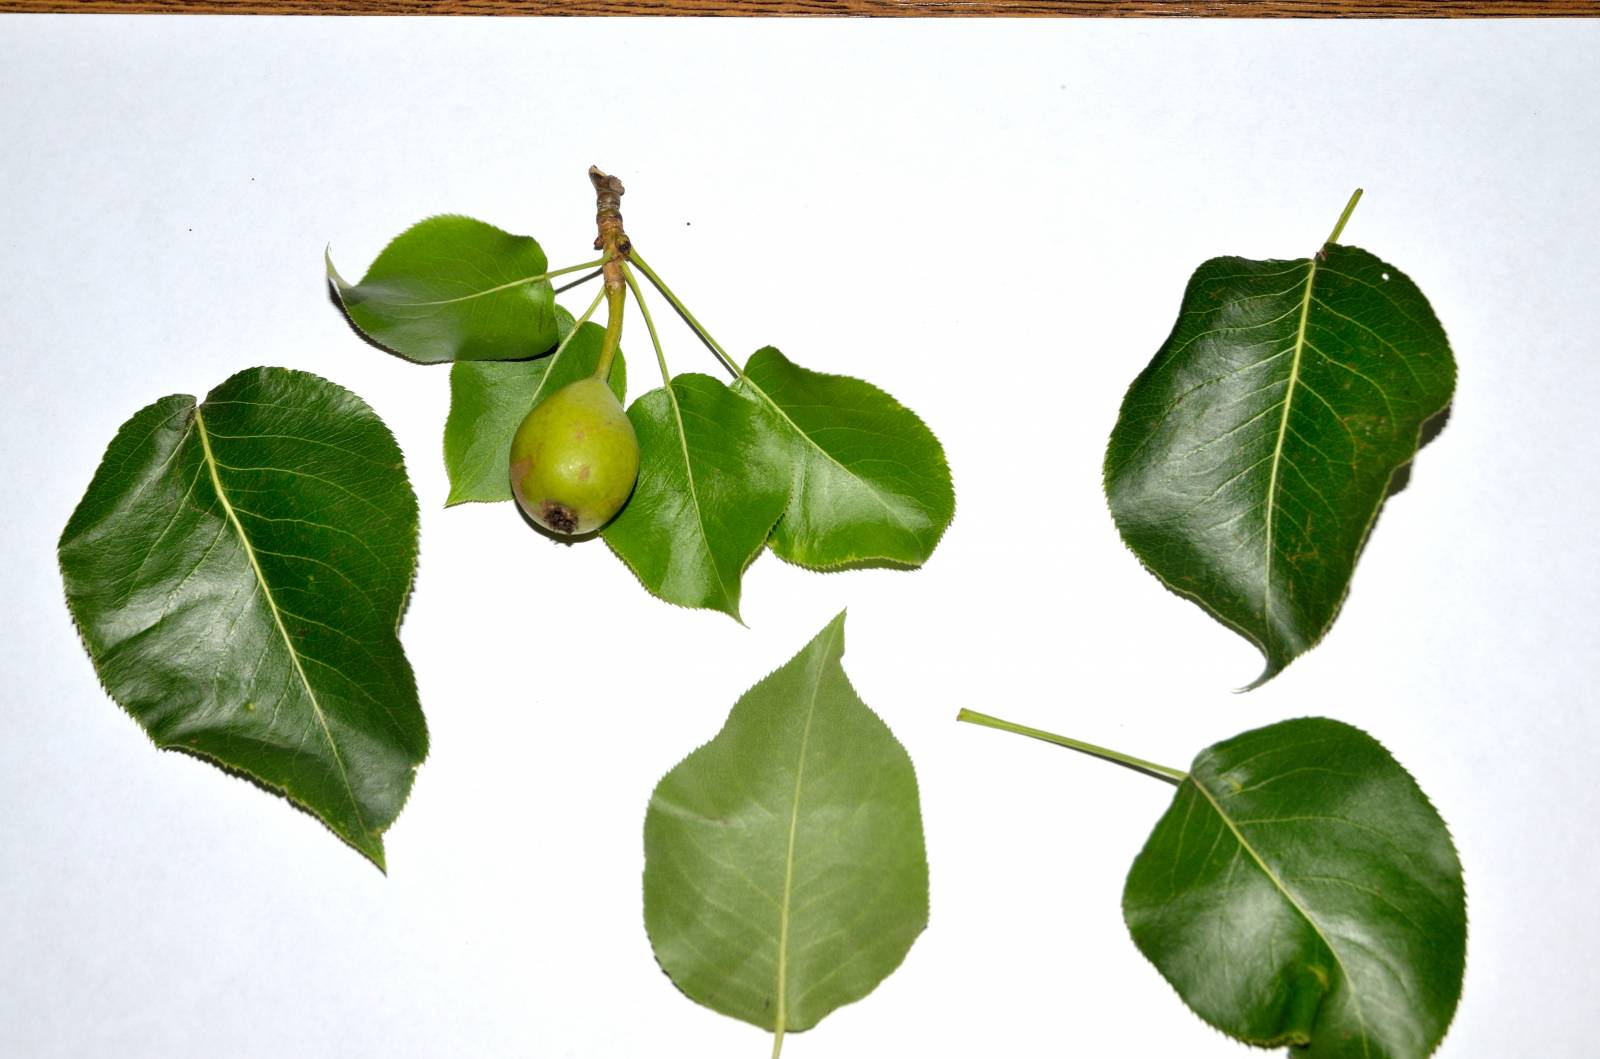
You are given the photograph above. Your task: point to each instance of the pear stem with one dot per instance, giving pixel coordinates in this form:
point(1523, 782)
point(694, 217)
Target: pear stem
point(613, 337)
point(613, 240)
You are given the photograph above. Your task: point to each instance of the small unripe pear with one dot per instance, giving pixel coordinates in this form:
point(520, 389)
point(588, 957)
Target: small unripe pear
point(574, 459)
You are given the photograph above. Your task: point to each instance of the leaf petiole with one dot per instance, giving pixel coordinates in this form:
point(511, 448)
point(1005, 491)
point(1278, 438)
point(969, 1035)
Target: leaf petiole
point(580, 281)
point(561, 347)
point(688, 317)
point(1150, 768)
point(1349, 208)
point(579, 322)
point(596, 263)
point(649, 324)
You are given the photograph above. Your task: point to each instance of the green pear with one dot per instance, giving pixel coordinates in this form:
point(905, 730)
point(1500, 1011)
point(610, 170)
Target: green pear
point(574, 459)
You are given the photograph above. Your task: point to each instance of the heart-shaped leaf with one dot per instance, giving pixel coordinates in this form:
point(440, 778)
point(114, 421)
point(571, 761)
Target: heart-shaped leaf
point(489, 400)
point(238, 571)
point(1251, 456)
point(712, 481)
point(453, 288)
point(784, 872)
point(871, 485)
point(1301, 890)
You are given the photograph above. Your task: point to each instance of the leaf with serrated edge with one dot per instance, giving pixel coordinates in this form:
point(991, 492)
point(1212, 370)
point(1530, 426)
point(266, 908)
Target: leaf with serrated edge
point(712, 481)
point(238, 570)
point(490, 399)
point(871, 485)
point(453, 288)
point(1251, 456)
point(785, 873)
point(1301, 890)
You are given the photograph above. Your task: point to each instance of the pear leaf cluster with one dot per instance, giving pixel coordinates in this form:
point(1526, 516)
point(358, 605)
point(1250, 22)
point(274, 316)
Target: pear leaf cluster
point(829, 472)
point(239, 567)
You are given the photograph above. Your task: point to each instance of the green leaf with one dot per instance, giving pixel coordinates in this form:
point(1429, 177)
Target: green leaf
point(452, 288)
point(1301, 890)
point(784, 866)
point(238, 571)
point(489, 400)
point(1251, 456)
point(712, 481)
point(871, 485)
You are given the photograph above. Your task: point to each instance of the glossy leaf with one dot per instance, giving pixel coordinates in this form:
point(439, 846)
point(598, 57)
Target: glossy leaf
point(712, 481)
point(1251, 456)
point(453, 288)
point(1301, 890)
point(870, 482)
point(489, 400)
point(238, 570)
point(784, 865)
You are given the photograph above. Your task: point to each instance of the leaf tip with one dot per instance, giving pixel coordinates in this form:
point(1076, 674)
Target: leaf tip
point(1273, 667)
point(332, 272)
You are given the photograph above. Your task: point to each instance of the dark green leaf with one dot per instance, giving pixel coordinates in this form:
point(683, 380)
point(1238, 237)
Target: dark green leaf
point(870, 480)
point(1301, 890)
point(489, 400)
point(452, 288)
point(784, 865)
point(238, 571)
point(712, 481)
point(1252, 454)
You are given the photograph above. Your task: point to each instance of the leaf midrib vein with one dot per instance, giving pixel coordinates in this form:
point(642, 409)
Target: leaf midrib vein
point(467, 297)
point(1277, 452)
point(781, 1019)
point(266, 591)
point(694, 497)
point(849, 472)
point(1288, 895)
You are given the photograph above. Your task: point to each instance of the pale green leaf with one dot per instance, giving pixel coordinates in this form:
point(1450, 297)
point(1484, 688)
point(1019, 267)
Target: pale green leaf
point(784, 866)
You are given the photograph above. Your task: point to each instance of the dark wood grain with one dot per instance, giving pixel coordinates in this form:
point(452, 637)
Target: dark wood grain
point(921, 8)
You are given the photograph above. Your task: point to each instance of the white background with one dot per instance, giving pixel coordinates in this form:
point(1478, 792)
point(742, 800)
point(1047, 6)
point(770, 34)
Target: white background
point(993, 221)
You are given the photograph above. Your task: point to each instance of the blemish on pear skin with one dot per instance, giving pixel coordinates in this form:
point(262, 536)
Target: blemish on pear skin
point(574, 459)
point(558, 516)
